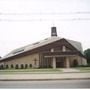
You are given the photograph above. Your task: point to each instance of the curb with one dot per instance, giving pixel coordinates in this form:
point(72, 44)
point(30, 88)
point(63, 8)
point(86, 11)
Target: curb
point(43, 79)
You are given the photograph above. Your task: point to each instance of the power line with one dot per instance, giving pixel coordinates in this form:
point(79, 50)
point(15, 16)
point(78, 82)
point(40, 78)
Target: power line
point(32, 20)
point(46, 13)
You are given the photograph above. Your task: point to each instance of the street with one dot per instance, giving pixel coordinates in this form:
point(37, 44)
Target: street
point(46, 84)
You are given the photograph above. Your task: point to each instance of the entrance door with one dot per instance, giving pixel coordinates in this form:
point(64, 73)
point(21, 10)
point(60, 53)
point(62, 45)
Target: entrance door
point(60, 62)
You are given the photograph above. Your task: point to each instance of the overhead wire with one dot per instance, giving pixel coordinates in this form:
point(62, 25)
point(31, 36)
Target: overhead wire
point(45, 13)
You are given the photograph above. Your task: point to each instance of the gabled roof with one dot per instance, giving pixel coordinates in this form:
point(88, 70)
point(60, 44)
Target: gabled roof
point(76, 44)
point(46, 41)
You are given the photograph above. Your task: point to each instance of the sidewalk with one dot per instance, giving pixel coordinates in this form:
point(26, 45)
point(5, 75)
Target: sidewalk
point(70, 70)
point(59, 76)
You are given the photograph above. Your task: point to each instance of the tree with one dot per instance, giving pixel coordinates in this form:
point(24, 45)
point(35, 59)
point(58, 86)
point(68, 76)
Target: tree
point(87, 55)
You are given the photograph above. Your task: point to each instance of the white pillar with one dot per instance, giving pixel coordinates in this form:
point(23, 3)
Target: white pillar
point(67, 62)
point(54, 63)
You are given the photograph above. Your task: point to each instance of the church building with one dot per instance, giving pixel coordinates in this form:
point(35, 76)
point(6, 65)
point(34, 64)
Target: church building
point(53, 52)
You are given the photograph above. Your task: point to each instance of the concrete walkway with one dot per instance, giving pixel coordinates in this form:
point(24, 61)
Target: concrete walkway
point(70, 70)
point(60, 76)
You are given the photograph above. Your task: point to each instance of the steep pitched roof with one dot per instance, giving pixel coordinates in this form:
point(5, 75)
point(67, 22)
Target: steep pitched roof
point(46, 41)
point(76, 44)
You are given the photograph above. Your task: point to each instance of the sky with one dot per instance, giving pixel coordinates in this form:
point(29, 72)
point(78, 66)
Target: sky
point(23, 22)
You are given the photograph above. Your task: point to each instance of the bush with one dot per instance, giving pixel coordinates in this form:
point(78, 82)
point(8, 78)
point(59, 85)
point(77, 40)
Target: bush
point(1, 66)
point(12, 66)
point(16, 67)
point(22, 66)
point(75, 63)
point(30, 65)
point(84, 65)
point(7, 67)
point(26, 66)
point(50, 66)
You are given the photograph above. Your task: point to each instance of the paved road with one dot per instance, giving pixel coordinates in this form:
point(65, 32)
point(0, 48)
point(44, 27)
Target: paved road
point(43, 76)
point(46, 84)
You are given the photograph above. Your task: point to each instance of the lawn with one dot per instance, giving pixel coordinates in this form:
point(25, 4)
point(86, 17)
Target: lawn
point(27, 71)
point(83, 69)
point(40, 71)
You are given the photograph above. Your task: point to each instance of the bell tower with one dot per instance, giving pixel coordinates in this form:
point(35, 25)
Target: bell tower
point(53, 32)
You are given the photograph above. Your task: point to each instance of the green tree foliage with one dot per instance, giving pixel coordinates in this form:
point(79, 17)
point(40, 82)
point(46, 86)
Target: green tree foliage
point(87, 55)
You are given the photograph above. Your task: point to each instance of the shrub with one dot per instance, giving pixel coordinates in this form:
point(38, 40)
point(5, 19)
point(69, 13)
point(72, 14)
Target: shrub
point(30, 65)
point(12, 66)
point(26, 66)
point(22, 66)
point(7, 67)
point(1, 66)
point(16, 67)
point(50, 66)
point(84, 65)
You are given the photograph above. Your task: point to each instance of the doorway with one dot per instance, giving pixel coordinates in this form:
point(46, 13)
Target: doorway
point(75, 63)
point(60, 62)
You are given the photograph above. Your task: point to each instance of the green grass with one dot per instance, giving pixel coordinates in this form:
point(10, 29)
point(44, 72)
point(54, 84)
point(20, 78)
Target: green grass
point(27, 71)
point(31, 70)
point(40, 71)
point(83, 69)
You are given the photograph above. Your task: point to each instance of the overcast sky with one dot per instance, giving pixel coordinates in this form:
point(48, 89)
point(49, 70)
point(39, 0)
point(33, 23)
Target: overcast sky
point(23, 22)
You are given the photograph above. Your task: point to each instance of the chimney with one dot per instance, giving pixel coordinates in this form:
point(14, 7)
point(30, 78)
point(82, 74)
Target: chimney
point(53, 32)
